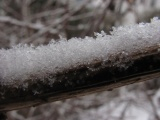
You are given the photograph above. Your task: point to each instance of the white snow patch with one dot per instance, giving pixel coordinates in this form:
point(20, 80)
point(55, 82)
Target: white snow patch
point(22, 61)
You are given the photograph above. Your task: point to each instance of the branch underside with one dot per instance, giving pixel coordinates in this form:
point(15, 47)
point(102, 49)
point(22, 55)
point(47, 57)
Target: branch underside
point(83, 80)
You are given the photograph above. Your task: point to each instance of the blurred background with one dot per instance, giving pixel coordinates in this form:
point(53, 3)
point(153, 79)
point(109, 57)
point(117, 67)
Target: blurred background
point(40, 21)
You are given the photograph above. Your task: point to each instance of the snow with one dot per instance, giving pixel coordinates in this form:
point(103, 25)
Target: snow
point(21, 62)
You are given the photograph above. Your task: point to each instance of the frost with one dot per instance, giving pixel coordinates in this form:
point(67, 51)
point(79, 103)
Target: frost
point(21, 62)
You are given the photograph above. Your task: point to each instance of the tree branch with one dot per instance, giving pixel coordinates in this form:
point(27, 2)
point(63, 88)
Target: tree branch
point(25, 83)
point(81, 81)
point(4, 19)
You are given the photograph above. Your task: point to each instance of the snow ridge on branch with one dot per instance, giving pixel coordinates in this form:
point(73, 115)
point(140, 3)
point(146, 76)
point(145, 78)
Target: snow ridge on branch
point(21, 62)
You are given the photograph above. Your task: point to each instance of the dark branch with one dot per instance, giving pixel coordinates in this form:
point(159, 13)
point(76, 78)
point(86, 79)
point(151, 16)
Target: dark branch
point(85, 79)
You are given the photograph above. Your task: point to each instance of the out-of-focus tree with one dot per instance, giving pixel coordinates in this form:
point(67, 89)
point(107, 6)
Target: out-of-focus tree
point(38, 21)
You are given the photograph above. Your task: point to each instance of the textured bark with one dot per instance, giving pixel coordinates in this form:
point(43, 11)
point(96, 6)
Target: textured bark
point(85, 79)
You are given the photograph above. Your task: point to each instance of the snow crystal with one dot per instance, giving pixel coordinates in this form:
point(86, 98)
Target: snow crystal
point(20, 62)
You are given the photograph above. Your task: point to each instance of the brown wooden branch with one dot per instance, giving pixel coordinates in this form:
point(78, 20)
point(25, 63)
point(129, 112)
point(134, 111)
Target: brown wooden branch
point(83, 80)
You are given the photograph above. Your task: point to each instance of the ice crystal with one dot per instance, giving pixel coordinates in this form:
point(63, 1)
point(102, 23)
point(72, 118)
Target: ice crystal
point(20, 62)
